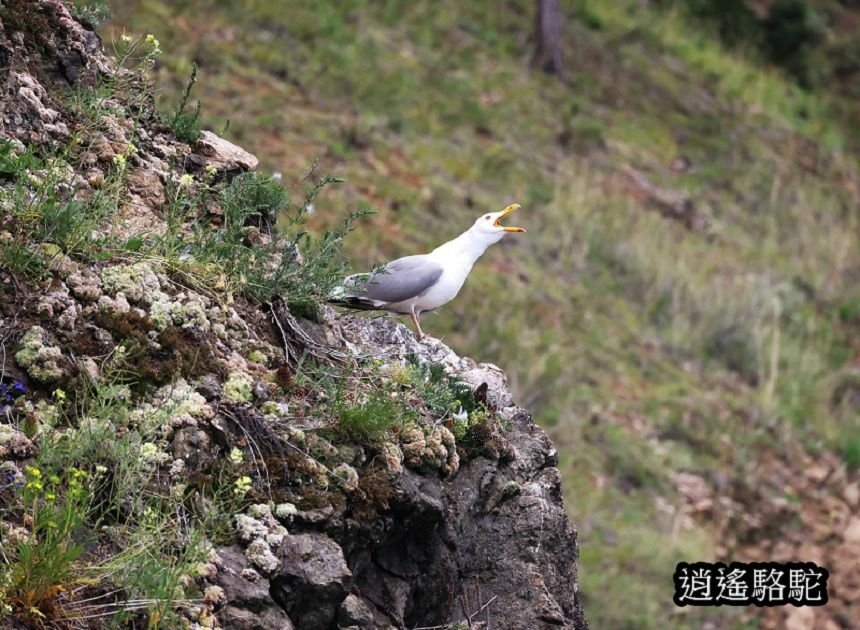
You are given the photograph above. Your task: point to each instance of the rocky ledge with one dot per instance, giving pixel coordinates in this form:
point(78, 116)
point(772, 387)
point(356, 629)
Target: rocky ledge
point(490, 544)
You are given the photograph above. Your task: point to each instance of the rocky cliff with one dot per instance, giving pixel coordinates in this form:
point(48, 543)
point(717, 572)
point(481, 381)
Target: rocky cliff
point(179, 446)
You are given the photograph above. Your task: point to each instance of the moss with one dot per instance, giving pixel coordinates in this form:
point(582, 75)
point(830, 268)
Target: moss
point(174, 351)
point(376, 491)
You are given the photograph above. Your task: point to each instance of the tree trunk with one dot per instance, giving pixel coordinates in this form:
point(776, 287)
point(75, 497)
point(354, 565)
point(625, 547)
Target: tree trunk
point(548, 36)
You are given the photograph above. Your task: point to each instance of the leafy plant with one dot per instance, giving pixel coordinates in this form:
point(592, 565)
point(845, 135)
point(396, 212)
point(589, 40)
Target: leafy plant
point(851, 451)
point(40, 567)
point(443, 395)
point(20, 258)
point(261, 257)
point(14, 164)
point(93, 13)
point(187, 124)
point(370, 420)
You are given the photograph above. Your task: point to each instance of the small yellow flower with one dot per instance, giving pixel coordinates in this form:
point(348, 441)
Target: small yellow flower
point(54, 479)
point(50, 496)
point(101, 469)
point(119, 160)
point(33, 471)
point(156, 45)
point(126, 38)
point(210, 170)
point(131, 149)
point(236, 456)
point(185, 181)
point(34, 485)
point(243, 484)
point(148, 451)
point(59, 394)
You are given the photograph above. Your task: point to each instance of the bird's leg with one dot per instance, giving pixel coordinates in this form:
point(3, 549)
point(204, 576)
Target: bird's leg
point(421, 334)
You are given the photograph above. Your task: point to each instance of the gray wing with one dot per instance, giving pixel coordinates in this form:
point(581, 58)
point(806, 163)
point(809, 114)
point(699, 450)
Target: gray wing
point(402, 279)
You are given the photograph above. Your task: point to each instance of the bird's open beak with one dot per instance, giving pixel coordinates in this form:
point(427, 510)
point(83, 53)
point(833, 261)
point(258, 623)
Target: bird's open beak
point(506, 212)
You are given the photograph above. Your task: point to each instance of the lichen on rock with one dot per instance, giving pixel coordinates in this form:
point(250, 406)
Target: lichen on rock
point(137, 282)
point(41, 360)
point(238, 387)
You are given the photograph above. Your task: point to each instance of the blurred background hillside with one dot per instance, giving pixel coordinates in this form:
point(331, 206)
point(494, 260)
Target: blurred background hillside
point(683, 314)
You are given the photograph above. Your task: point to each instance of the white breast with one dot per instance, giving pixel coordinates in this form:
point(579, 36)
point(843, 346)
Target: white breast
point(456, 258)
point(454, 274)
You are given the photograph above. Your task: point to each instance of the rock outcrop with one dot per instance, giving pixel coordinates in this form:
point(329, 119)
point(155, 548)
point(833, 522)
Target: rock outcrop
point(490, 544)
point(434, 524)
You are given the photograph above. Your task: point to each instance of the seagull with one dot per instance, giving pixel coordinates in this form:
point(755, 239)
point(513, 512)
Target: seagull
point(416, 284)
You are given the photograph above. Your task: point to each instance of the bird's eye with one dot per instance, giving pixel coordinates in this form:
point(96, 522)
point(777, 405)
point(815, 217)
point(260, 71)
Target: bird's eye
point(488, 217)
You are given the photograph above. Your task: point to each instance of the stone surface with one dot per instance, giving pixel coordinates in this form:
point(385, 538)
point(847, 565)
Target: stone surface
point(221, 154)
point(249, 605)
point(511, 554)
point(313, 580)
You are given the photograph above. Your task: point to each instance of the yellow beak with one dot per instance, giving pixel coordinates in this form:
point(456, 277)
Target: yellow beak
point(506, 212)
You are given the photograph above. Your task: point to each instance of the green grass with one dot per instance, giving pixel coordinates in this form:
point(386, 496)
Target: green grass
point(605, 308)
point(96, 501)
point(371, 420)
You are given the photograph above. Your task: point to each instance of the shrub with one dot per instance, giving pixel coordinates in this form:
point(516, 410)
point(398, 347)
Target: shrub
point(369, 421)
point(261, 258)
point(789, 30)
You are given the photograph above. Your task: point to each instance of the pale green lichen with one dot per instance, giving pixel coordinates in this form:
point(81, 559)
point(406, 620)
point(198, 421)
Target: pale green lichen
point(392, 457)
point(263, 533)
point(41, 361)
point(260, 555)
point(164, 313)
point(259, 510)
point(138, 282)
point(119, 304)
point(258, 356)
point(15, 443)
point(214, 595)
point(172, 406)
point(188, 311)
point(151, 454)
point(84, 285)
point(274, 409)
point(285, 510)
point(296, 436)
point(238, 387)
point(46, 414)
point(250, 528)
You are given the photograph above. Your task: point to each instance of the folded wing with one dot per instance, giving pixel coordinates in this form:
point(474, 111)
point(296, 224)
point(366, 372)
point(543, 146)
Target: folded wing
point(400, 280)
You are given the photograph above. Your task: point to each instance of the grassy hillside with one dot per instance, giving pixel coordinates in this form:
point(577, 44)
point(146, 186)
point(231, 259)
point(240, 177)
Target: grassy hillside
point(686, 299)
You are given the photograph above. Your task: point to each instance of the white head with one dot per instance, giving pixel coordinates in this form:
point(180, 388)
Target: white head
point(488, 227)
